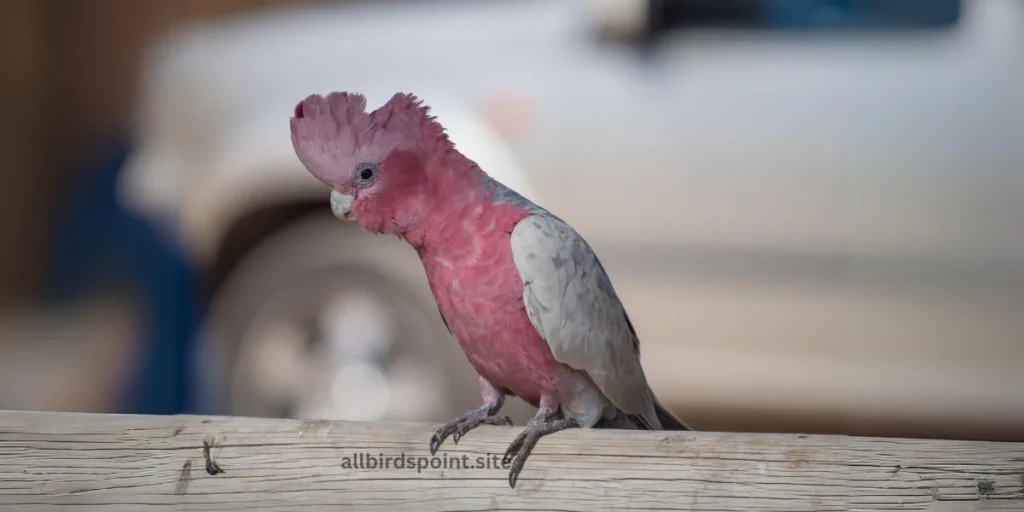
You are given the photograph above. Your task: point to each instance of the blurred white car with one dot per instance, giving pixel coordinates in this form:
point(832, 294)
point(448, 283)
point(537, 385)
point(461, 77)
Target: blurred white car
point(310, 317)
point(810, 230)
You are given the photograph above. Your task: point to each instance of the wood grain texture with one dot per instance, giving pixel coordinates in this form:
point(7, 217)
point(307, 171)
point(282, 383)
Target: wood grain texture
point(49, 461)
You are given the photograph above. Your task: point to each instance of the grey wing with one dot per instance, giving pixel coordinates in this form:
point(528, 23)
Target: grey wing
point(572, 304)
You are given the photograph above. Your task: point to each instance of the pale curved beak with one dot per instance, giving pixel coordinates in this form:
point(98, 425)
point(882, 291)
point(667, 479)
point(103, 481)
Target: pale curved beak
point(341, 205)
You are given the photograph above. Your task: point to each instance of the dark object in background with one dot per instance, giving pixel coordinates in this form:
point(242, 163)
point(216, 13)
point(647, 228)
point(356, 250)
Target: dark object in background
point(100, 245)
point(802, 14)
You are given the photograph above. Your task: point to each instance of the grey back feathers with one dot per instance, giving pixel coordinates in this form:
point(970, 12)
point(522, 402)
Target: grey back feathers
point(572, 304)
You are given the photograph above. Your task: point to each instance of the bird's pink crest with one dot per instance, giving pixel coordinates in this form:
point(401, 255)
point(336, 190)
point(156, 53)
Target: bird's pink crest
point(332, 134)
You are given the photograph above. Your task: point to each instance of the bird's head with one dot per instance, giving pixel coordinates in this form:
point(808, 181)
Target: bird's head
point(387, 168)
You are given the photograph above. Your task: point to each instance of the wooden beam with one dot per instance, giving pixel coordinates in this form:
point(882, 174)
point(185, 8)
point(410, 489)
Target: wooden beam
point(139, 463)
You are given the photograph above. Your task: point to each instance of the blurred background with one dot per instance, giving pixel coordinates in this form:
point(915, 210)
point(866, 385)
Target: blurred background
point(812, 209)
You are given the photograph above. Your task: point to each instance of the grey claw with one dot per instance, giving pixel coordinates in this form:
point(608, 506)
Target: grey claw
point(513, 449)
point(508, 456)
point(435, 442)
point(458, 428)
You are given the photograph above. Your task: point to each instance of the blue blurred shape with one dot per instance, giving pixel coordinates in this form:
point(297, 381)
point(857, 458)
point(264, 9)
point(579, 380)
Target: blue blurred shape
point(101, 245)
point(806, 14)
point(861, 13)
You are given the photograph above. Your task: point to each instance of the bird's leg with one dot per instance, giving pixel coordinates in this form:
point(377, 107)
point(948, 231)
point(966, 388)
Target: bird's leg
point(545, 422)
point(485, 414)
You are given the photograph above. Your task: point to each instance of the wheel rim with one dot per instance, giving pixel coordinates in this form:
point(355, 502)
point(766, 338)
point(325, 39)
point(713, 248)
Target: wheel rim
point(346, 347)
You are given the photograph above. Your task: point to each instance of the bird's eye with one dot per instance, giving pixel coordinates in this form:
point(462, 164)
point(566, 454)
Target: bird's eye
point(366, 175)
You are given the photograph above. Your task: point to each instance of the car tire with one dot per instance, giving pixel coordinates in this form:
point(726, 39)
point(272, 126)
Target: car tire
point(286, 277)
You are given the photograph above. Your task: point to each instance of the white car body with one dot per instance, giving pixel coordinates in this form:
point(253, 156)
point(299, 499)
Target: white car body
point(233, 153)
point(852, 155)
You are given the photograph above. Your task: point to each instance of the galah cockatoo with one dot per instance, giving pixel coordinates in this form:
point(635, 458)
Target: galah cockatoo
point(522, 292)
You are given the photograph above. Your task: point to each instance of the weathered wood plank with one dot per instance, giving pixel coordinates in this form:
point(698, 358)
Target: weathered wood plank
point(135, 463)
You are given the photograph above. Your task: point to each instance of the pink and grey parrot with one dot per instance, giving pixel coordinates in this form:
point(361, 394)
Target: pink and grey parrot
point(522, 292)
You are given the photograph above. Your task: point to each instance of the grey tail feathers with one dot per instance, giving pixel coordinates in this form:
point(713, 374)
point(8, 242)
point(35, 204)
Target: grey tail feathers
point(668, 420)
point(665, 417)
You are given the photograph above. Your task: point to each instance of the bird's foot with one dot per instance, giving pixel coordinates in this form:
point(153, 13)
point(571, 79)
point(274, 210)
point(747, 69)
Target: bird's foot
point(485, 414)
point(542, 424)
